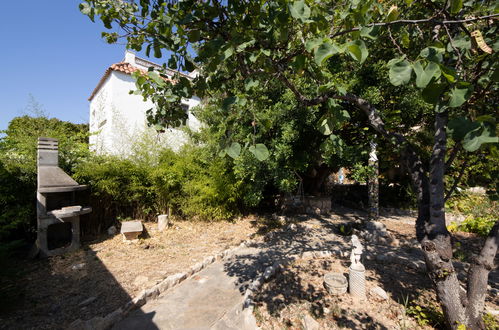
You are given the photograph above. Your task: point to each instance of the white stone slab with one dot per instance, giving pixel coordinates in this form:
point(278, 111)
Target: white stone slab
point(134, 226)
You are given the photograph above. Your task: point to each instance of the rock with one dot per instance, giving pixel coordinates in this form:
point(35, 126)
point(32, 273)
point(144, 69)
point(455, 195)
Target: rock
point(307, 255)
point(140, 281)
point(379, 293)
point(152, 292)
point(140, 300)
point(280, 219)
point(78, 266)
point(476, 190)
point(309, 323)
point(111, 231)
point(163, 222)
point(375, 226)
point(87, 301)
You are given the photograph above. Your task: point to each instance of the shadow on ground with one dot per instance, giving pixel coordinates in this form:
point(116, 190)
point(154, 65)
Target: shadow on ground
point(54, 292)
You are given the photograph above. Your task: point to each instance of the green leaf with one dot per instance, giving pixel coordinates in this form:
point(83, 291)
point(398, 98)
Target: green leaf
point(313, 43)
point(243, 46)
point(325, 51)
point(342, 90)
point(250, 83)
point(155, 76)
point(172, 62)
point(227, 102)
point(369, 32)
point(393, 14)
point(474, 139)
point(299, 10)
point(455, 6)
point(189, 66)
point(458, 96)
point(228, 53)
point(431, 94)
point(337, 141)
point(265, 52)
point(85, 8)
point(157, 49)
point(241, 101)
point(400, 72)
point(424, 76)
point(260, 151)
point(432, 54)
point(358, 50)
point(299, 62)
point(253, 57)
point(449, 73)
point(457, 128)
point(194, 35)
point(234, 150)
point(326, 126)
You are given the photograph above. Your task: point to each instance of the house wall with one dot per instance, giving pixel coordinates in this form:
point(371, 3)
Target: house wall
point(125, 127)
point(100, 120)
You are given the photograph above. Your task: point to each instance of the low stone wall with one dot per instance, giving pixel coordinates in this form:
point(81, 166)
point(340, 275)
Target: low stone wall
point(307, 204)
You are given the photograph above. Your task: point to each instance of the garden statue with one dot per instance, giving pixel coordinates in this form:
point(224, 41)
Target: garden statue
point(356, 271)
point(356, 253)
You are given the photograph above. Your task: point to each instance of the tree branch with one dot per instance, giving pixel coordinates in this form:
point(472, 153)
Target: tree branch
point(478, 276)
point(452, 156)
point(456, 182)
point(431, 20)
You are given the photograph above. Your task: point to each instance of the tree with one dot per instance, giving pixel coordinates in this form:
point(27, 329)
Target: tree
point(446, 48)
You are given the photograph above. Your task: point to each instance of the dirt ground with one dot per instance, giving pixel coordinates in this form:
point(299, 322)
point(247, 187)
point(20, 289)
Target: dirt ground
point(104, 274)
point(297, 290)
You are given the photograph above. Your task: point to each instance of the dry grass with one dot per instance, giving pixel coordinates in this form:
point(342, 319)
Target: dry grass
point(109, 272)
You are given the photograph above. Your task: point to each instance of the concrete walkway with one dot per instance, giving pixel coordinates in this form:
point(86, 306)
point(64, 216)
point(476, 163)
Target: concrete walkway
point(213, 298)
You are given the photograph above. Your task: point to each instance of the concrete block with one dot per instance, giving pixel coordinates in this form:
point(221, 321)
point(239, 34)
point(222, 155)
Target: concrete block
point(131, 229)
point(163, 222)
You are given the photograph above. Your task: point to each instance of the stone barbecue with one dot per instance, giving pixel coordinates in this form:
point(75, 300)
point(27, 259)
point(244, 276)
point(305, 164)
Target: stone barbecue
point(58, 215)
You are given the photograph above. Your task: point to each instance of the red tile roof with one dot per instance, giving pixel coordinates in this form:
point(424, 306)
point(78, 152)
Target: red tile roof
point(120, 67)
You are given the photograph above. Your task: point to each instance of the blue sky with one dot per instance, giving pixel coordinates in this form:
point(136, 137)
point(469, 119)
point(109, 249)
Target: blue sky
point(50, 50)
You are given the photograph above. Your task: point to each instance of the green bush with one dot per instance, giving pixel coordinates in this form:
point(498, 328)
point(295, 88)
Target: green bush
point(192, 183)
point(480, 212)
point(120, 188)
point(197, 184)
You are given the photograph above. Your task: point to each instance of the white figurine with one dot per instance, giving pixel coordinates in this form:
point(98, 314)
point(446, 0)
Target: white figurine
point(356, 252)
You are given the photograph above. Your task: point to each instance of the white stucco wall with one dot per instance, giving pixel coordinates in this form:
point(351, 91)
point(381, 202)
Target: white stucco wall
point(125, 127)
point(100, 120)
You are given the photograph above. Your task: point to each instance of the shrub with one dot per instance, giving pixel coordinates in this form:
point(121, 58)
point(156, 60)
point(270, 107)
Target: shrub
point(204, 187)
point(480, 212)
point(120, 188)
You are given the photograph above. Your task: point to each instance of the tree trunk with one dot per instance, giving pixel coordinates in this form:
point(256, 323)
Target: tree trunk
point(460, 306)
point(477, 279)
point(373, 183)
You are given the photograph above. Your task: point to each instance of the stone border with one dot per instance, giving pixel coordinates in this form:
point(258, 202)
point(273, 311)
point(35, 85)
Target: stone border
point(104, 322)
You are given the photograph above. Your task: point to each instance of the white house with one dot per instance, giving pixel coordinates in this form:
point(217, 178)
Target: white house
point(118, 118)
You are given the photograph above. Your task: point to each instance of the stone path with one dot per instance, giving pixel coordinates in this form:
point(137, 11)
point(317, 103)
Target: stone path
point(213, 298)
